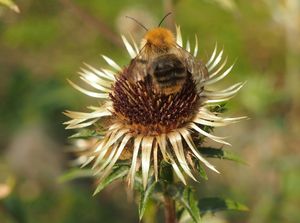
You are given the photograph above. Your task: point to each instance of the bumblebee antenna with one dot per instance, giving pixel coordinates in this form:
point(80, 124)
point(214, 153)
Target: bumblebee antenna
point(128, 17)
point(164, 18)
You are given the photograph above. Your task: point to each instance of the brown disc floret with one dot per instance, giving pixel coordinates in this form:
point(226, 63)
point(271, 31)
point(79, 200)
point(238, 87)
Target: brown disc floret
point(149, 112)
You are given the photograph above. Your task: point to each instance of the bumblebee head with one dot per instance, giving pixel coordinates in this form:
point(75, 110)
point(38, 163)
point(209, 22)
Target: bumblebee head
point(159, 38)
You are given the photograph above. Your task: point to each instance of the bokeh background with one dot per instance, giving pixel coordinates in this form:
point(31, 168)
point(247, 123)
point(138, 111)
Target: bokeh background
point(47, 42)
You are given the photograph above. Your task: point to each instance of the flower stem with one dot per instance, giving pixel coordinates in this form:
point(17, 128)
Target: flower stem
point(170, 212)
point(169, 203)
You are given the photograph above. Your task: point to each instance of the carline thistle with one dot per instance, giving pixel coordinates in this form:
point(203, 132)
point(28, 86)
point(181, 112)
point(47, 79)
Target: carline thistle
point(155, 108)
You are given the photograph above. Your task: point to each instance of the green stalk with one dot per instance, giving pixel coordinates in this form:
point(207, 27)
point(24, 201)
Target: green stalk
point(170, 212)
point(169, 203)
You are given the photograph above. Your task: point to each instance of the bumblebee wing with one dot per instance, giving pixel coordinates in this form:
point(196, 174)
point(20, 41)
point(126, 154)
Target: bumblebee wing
point(195, 67)
point(137, 69)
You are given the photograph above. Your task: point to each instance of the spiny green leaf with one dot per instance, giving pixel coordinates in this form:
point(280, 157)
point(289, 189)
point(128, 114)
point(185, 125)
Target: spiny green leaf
point(220, 154)
point(10, 4)
point(75, 174)
point(185, 196)
point(126, 162)
point(145, 198)
point(219, 108)
point(166, 171)
point(116, 174)
point(84, 133)
point(208, 129)
point(214, 204)
point(201, 170)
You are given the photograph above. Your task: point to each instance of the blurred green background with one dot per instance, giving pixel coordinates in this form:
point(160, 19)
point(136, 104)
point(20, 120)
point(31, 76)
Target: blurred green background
point(48, 41)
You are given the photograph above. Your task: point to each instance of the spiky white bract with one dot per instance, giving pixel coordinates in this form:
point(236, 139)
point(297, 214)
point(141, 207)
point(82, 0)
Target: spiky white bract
point(172, 146)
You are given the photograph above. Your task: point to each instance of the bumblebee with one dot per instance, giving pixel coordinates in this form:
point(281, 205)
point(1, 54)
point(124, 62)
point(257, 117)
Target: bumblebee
point(163, 64)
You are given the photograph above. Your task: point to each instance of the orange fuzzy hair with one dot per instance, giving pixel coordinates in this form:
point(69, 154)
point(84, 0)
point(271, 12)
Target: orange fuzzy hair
point(160, 38)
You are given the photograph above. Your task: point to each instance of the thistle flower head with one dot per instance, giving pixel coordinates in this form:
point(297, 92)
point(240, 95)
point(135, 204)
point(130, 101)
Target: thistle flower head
point(155, 108)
